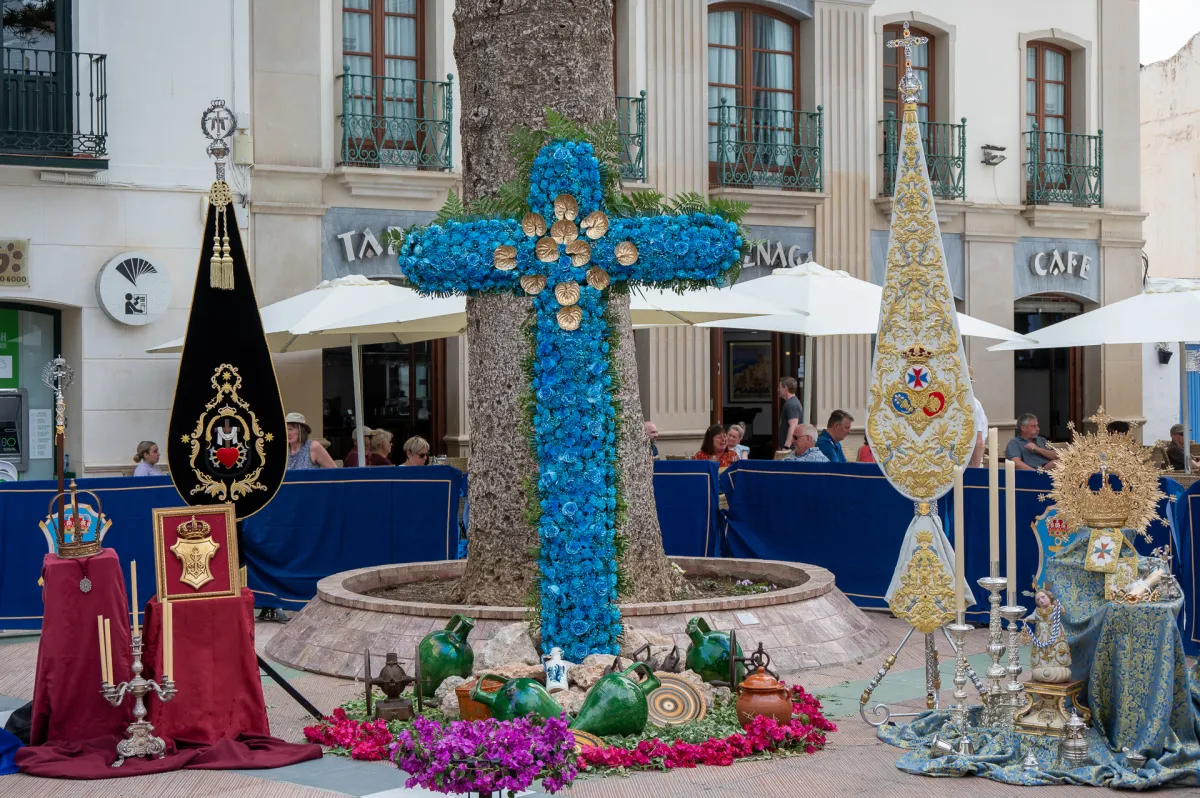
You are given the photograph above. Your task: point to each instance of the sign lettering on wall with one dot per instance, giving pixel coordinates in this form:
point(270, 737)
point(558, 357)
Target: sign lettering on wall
point(14, 262)
point(10, 339)
point(1073, 264)
point(772, 255)
point(368, 245)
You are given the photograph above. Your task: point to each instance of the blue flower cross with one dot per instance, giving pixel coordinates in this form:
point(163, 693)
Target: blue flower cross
point(577, 256)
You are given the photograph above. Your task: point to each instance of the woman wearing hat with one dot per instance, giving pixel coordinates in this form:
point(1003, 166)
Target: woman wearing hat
point(302, 452)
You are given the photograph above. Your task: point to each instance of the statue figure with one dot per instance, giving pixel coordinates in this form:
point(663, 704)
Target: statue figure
point(1051, 656)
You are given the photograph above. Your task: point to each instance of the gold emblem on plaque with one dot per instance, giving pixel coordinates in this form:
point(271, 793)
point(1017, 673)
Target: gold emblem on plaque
point(195, 548)
point(925, 598)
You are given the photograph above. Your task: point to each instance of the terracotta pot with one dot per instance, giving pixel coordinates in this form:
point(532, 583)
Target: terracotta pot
point(762, 695)
point(468, 708)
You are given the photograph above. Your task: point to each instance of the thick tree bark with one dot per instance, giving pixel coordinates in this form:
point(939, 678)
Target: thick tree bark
point(515, 59)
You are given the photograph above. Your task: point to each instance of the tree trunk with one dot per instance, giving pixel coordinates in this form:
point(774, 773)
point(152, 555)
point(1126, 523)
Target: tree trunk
point(515, 59)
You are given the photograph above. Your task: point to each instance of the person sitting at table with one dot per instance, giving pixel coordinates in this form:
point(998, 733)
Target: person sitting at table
point(302, 452)
point(416, 451)
point(865, 455)
point(379, 446)
point(830, 439)
point(804, 447)
point(147, 457)
point(351, 458)
point(733, 440)
point(652, 433)
point(715, 448)
point(1029, 451)
point(1176, 449)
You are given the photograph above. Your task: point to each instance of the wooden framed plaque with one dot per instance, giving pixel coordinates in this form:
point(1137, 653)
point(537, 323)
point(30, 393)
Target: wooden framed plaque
point(195, 552)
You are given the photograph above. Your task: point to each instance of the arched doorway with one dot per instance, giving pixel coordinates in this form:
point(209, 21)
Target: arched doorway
point(1048, 382)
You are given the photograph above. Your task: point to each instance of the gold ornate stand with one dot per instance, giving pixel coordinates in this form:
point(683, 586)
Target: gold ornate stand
point(1046, 712)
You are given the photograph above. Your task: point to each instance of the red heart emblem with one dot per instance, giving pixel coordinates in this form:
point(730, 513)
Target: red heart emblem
point(228, 456)
point(941, 403)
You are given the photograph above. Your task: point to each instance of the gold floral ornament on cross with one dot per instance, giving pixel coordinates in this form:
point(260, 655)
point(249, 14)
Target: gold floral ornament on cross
point(565, 233)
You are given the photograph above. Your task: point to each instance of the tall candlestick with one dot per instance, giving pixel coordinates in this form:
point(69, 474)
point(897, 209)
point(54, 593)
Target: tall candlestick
point(100, 639)
point(1010, 529)
point(993, 502)
point(168, 639)
point(960, 602)
point(133, 585)
point(108, 649)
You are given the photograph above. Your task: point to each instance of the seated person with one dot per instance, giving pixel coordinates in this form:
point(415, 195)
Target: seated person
point(865, 455)
point(1029, 451)
point(804, 446)
point(351, 459)
point(830, 439)
point(416, 451)
point(715, 448)
point(1176, 449)
point(733, 440)
point(652, 433)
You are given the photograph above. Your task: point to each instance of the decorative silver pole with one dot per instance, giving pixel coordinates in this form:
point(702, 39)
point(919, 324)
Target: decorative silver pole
point(1015, 690)
point(140, 740)
point(996, 697)
point(958, 712)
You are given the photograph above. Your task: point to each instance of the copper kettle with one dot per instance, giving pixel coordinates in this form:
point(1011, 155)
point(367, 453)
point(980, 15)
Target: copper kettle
point(762, 694)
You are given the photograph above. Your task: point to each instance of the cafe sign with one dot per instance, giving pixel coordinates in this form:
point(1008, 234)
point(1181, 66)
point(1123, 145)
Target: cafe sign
point(1070, 264)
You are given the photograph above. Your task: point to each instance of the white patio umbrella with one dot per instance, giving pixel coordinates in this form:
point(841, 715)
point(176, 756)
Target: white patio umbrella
point(822, 301)
point(1167, 310)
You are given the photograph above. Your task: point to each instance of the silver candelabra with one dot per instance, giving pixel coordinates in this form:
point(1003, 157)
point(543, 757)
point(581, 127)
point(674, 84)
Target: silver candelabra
point(140, 739)
point(996, 698)
point(958, 712)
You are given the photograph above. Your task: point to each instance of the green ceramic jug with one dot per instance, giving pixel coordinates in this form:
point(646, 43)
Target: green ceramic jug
point(617, 704)
point(708, 655)
point(517, 698)
point(446, 653)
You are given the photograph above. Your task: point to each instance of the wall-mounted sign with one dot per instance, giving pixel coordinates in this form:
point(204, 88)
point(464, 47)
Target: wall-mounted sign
point(1072, 264)
point(354, 240)
point(774, 255)
point(132, 289)
point(14, 263)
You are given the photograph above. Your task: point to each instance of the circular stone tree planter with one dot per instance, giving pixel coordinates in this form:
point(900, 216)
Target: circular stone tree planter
point(810, 625)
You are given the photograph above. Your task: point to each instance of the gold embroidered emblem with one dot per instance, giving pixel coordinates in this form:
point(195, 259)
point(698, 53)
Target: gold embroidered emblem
point(925, 598)
point(195, 549)
point(227, 444)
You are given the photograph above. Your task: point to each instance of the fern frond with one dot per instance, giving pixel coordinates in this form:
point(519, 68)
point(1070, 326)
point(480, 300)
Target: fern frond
point(452, 209)
point(687, 202)
point(648, 202)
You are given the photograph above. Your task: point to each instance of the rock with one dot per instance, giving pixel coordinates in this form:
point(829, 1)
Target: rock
point(570, 700)
point(585, 676)
point(513, 671)
point(722, 695)
point(449, 703)
point(598, 659)
point(631, 641)
point(447, 686)
point(511, 645)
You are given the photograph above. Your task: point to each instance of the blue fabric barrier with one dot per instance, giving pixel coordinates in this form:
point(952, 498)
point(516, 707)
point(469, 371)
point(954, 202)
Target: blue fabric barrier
point(1187, 564)
point(685, 492)
point(847, 518)
point(8, 753)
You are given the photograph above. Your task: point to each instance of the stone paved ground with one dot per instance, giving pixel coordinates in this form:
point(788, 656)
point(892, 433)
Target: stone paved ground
point(854, 763)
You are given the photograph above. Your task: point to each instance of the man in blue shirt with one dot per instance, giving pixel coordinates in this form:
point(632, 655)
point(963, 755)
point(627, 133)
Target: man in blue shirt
point(830, 439)
point(804, 447)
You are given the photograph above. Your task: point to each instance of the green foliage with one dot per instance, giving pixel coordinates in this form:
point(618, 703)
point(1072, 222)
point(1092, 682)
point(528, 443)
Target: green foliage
point(453, 208)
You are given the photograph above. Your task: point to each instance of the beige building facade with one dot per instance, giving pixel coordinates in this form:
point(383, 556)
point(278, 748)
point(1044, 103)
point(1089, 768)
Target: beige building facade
point(782, 103)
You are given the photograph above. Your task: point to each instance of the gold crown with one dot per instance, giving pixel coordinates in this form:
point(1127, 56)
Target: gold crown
point(69, 540)
point(194, 530)
point(917, 354)
point(1134, 506)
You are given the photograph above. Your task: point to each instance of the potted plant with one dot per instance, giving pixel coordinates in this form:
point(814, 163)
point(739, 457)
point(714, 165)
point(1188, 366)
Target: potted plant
point(487, 758)
point(1164, 353)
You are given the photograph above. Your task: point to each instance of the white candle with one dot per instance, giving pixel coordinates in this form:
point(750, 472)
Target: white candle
point(1010, 529)
point(133, 585)
point(168, 639)
point(960, 601)
point(108, 649)
point(100, 640)
point(993, 502)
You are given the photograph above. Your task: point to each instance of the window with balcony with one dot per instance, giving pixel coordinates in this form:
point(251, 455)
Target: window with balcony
point(53, 102)
point(391, 115)
point(1060, 166)
point(757, 135)
point(945, 143)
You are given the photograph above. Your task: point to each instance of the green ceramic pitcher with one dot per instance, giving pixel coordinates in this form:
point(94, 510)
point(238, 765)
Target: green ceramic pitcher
point(708, 655)
point(446, 653)
point(517, 698)
point(617, 704)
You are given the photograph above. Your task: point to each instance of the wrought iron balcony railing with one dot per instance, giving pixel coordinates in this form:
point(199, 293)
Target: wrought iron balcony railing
point(631, 126)
point(397, 122)
point(945, 156)
point(752, 147)
point(1064, 167)
point(53, 103)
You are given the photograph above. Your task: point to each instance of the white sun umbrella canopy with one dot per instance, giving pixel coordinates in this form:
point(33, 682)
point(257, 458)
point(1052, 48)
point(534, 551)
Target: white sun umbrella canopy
point(822, 301)
point(1168, 310)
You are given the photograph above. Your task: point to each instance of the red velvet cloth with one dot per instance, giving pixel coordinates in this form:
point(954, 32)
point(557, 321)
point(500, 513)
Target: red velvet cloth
point(93, 759)
point(220, 691)
point(67, 703)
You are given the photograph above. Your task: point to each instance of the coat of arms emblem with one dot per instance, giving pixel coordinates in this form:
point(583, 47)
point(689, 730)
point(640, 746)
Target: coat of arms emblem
point(227, 445)
point(195, 549)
